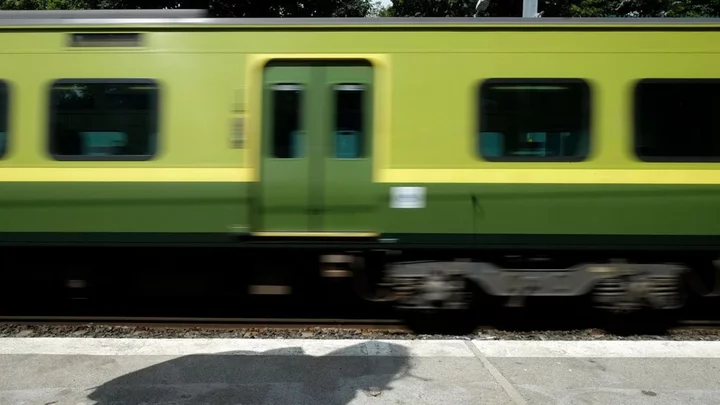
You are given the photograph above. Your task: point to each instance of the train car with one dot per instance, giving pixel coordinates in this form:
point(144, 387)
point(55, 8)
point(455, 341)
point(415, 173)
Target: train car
point(419, 157)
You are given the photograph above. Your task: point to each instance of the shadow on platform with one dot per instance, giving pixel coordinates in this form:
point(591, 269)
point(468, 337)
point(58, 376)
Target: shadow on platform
point(281, 376)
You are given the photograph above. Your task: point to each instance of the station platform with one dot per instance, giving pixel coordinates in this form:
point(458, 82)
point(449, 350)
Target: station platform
point(119, 371)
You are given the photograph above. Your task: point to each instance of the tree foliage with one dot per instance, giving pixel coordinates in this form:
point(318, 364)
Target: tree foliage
point(217, 8)
point(432, 8)
point(399, 8)
point(45, 4)
point(558, 8)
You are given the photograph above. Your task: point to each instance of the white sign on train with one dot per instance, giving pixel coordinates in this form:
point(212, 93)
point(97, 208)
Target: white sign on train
point(407, 197)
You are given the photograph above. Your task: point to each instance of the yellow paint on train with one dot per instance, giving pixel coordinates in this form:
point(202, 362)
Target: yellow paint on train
point(551, 176)
point(399, 176)
point(130, 174)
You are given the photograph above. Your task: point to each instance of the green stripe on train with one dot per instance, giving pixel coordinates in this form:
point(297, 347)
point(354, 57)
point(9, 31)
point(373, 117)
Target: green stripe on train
point(450, 209)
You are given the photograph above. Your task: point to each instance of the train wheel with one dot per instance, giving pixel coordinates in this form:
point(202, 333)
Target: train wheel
point(438, 304)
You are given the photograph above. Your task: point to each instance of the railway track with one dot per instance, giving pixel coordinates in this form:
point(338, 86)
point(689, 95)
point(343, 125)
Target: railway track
point(226, 327)
point(230, 319)
point(211, 323)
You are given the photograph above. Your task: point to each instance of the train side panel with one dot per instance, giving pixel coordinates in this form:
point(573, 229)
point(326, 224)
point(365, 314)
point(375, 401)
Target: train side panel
point(194, 183)
point(199, 183)
point(610, 198)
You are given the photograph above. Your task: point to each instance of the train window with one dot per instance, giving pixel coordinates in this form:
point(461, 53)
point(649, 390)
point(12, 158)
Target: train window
point(676, 120)
point(103, 119)
point(4, 102)
point(287, 134)
point(534, 120)
point(348, 137)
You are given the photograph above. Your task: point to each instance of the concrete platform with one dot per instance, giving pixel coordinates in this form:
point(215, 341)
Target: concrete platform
point(74, 371)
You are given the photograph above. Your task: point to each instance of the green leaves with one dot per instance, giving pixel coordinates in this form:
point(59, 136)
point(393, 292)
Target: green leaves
point(559, 8)
point(218, 8)
point(399, 8)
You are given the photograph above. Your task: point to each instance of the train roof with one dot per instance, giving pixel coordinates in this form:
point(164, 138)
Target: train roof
point(199, 19)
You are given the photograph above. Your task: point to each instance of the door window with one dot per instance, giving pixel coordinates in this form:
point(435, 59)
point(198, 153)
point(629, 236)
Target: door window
point(287, 136)
point(348, 132)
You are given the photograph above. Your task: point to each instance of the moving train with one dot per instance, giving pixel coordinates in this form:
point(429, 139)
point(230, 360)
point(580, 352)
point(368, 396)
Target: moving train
point(422, 158)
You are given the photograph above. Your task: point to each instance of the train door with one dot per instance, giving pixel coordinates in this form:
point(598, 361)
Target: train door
point(316, 156)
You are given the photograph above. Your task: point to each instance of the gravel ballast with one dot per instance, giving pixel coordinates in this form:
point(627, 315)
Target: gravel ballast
point(15, 330)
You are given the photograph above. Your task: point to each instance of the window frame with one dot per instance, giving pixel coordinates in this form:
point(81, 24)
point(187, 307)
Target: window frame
point(364, 94)
point(480, 112)
point(5, 91)
point(273, 89)
point(155, 103)
point(636, 109)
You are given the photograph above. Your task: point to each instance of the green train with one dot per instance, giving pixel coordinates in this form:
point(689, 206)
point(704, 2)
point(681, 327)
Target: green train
point(422, 158)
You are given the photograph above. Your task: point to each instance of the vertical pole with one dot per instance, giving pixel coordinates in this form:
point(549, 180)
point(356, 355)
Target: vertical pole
point(530, 8)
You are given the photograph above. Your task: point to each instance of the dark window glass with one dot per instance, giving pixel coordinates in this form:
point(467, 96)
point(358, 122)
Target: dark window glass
point(534, 120)
point(103, 119)
point(288, 137)
point(677, 120)
point(3, 119)
point(348, 133)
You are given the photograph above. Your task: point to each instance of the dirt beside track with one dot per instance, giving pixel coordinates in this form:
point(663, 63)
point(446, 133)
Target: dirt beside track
point(309, 331)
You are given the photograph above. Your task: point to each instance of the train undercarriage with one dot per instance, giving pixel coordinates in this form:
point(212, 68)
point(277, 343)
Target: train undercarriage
point(422, 286)
point(448, 288)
